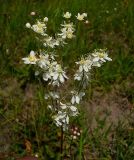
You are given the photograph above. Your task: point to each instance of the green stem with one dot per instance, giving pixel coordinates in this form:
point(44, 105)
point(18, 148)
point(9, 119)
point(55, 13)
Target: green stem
point(61, 143)
point(35, 128)
point(70, 148)
point(81, 83)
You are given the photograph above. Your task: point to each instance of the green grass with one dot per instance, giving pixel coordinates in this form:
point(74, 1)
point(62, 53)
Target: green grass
point(111, 26)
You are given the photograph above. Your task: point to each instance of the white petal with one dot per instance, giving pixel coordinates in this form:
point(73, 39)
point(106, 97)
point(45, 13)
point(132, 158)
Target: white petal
point(32, 53)
point(46, 77)
point(73, 108)
point(61, 78)
point(77, 99)
point(37, 73)
point(109, 59)
point(46, 96)
point(55, 76)
point(73, 100)
point(85, 68)
point(63, 107)
point(96, 59)
point(50, 107)
point(67, 120)
point(81, 94)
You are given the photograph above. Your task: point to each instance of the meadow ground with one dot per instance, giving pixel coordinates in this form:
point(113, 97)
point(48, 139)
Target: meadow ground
point(107, 118)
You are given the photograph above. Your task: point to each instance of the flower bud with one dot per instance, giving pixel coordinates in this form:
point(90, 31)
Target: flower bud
point(32, 13)
point(28, 25)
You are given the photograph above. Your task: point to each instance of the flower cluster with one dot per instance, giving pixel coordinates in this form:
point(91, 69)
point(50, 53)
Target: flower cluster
point(67, 15)
point(62, 118)
point(95, 59)
point(52, 72)
point(40, 27)
point(67, 31)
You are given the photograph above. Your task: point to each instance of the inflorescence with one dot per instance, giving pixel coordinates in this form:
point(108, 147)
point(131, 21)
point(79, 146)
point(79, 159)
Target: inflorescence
point(53, 72)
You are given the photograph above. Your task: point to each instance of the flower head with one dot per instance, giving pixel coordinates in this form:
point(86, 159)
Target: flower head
point(67, 15)
point(100, 56)
point(31, 59)
point(50, 42)
point(67, 33)
point(81, 17)
point(61, 119)
point(85, 64)
point(39, 27)
point(58, 75)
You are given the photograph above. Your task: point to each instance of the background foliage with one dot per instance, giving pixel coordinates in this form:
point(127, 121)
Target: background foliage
point(22, 107)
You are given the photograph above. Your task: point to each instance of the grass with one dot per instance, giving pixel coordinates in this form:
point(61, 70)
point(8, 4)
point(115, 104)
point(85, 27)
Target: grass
point(22, 110)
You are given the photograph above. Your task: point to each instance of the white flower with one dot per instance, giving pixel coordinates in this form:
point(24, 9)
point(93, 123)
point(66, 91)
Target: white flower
point(43, 61)
point(76, 97)
point(58, 75)
point(46, 76)
point(84, 64)
point(67, 15)
point(53, 72)
point(45, 19)
point(51, 42)
point(28, 25)
point(73, 111)
point(73, 108)
point(83, 73)
point(40, 28)
point(84, 14)
point(67, 33)
point(31, 59)
point(63, 106)
point(81, 17)
point(86, 77)
point(61, 119)
point(97, 64)
point(53, 95)
point(100, 56)
point(78, 76)
point(70, 109)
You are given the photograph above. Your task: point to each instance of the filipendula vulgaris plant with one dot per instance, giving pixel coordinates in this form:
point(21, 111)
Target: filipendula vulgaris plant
point(53, 72)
